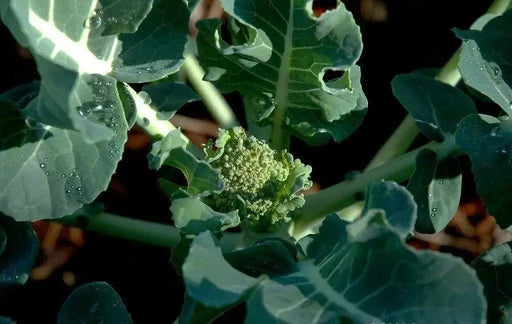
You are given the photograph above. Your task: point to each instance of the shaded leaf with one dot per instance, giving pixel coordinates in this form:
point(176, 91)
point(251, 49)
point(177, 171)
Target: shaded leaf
point(493, 269)
point(489, 146)
point(168, 97)
point(436, 186)
point(435, 106)
point(19, 247)
point(93, 303)
point(271, 257)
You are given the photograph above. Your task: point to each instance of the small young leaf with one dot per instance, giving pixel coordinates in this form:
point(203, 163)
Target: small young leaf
point(93, 303)
point(168, 97)
point(485, 60)
point(397, 203)
point(201, 178)
point(493, 269)
point(436, 107)
point(436, 187)
point(280, 55)
point(192, 216)
point(489, 146)
point(18, 252)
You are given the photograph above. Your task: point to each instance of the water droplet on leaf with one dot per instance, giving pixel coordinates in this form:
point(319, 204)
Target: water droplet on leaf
point(95, 22)
point(494, 70)
point(145, 97)
point(42, 165)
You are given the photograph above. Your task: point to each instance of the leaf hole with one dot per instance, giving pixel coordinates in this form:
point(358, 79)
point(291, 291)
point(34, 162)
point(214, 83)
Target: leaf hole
point(332, 75)
point(321, 6)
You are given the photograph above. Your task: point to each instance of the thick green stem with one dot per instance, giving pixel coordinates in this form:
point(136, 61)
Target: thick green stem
point(212, 98)
point(343, 194)
point(139, 230)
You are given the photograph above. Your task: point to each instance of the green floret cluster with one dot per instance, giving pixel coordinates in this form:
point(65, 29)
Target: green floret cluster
point(264, 185)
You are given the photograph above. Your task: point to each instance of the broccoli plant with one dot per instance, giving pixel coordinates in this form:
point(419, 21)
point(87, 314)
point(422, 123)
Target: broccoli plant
point(246, 229)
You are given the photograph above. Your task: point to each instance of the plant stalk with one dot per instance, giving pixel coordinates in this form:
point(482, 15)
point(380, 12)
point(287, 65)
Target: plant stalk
point(212, 98)
point(139, 230)
point(341, 195)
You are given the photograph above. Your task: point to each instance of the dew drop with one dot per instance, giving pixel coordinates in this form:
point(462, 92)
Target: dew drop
point(42, 165)
point(30, 122)
point(95, 22)
point(79, 189)
point(145, 97)
point(432, 215)
point(145, 122)
point(434, 210)
point(494, 70)
point(495, 131)
point(47, 173)
point(505, 149)
point(63, 176)
point(441, 182)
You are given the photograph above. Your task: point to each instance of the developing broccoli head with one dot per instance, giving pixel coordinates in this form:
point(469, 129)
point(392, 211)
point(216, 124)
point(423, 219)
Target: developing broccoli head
point(261, 183)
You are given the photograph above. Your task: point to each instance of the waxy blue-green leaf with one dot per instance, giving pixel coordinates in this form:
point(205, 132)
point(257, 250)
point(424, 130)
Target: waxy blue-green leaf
point(192, 216)
point(489, 146)
point(369, 278)
point(57, 174)
point(397, 203)
point(209, 278)
point(435, 106)
point(485, 63)
point(279, 57)
point(361, 271)
point(118, 17)
point(19, 247)
point(93, 303)
point(201, 178)
point(436, 186)
point(168, 97)
point(493, 269)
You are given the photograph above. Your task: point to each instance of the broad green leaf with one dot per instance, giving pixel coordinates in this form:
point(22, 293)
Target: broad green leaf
point(270, 256)
point(436, 107)
point(362, 272)
point(493, 269)
point(489, 146)
point(192, 216)
point(172, 150)
point(57, 174)
point(436, 186)
point(93, 303)
point(279, 56)
point(375, 280)
point(19, 247)
point(397, 203)
point(14, 131)
point(209, 278)
point(168, 97)
point(485, 63)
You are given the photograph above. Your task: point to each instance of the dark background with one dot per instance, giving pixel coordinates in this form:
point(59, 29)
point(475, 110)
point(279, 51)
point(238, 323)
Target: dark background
point(416, 34)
